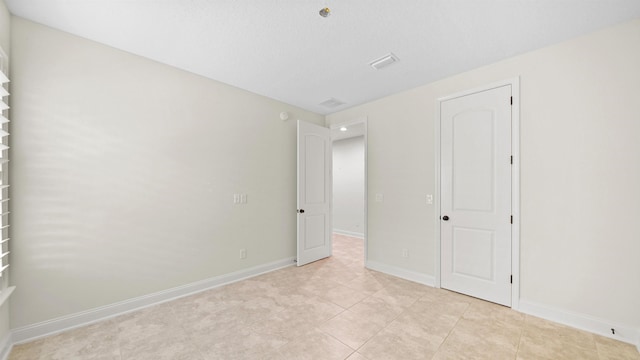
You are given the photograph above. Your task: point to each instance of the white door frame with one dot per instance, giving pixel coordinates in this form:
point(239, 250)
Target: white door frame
point(361, 120)
point(515, 183)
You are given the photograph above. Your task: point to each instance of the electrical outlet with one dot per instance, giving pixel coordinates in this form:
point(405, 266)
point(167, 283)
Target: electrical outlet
point(405, 253)
point(379, 197)
point(243, 253)
point(239, 198)
point(429, 199)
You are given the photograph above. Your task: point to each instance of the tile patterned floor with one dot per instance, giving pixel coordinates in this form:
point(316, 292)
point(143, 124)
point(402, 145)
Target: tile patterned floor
point(331, 309)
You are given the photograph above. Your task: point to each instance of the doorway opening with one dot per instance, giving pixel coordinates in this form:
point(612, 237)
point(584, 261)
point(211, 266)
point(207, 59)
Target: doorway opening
point(349, 176)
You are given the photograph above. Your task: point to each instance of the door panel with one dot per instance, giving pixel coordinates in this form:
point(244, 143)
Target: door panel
point(472, 154)
point(315, 235)
point(315, 148)
point(473, 253)
point(314, 193)
point(476, 194)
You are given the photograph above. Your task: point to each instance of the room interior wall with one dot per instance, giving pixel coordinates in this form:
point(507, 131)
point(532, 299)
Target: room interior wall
point(124, 172)
point(348, 186)
point(579, 174)
point(107, 145)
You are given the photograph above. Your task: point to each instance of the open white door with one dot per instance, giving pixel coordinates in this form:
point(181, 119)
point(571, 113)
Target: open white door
point(475, 192)
point(314, 193)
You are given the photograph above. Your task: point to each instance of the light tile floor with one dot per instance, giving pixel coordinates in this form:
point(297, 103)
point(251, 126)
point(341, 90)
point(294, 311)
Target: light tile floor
point(331, 309)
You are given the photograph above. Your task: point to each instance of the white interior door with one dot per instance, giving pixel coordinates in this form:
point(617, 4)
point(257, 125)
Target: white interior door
point(314, 193)
point(475, 226)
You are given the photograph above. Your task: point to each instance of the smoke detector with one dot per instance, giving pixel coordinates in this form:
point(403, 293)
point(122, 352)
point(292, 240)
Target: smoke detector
point(384, 61)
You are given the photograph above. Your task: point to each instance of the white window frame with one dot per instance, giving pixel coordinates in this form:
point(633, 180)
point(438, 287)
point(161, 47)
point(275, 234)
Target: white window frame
point(5, 289)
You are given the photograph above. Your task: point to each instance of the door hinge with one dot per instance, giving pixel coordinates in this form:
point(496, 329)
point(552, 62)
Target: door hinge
point(511, 160)
point(511, 279)
point(512, 100)
point(511, 219)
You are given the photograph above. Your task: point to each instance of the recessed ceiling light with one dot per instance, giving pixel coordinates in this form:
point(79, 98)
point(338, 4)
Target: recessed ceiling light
point(384, 61)
point(343, 129)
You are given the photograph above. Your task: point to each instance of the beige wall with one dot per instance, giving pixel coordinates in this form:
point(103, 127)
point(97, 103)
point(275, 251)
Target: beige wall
point(124, 173)
point(580, 170)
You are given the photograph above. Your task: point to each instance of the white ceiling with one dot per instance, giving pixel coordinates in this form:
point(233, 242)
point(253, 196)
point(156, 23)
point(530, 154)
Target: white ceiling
point(285, 50)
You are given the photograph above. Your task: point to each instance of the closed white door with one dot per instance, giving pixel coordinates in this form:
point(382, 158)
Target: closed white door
point(475, 226)
point(314, 193)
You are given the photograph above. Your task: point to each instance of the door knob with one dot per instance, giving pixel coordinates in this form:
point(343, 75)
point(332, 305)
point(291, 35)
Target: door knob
point(301, 211)
point(445, 218)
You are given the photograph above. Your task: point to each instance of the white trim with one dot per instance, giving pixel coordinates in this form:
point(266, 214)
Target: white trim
point(584, 322)
point(5, 294)
point(515, 193)
point(420, 278)
point(6, 345)
point(436, 194)
point(50, 327)
point(4, 62)
point(349, 233)
point(5, 289)
point(361, 120)
point(515, 182)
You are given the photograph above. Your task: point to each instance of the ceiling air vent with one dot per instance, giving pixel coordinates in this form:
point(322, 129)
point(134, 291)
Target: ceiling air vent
point(384, 61)
point(332, 103)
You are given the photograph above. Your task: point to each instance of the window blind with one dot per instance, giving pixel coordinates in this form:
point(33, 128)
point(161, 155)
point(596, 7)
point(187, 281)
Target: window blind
point(4, 185)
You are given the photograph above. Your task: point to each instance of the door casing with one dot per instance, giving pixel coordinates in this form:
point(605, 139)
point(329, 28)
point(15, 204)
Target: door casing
point(515, 183)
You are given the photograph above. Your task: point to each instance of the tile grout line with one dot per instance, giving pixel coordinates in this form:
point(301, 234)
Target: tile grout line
point(450, 331)
point(385, 326)
point(515, 357)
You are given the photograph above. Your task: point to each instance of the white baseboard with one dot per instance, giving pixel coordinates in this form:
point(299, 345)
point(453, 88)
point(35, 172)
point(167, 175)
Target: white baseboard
point(349, 233)
point(50, 327)
point(6, 344)
point(401, 273)
point(624, 333)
